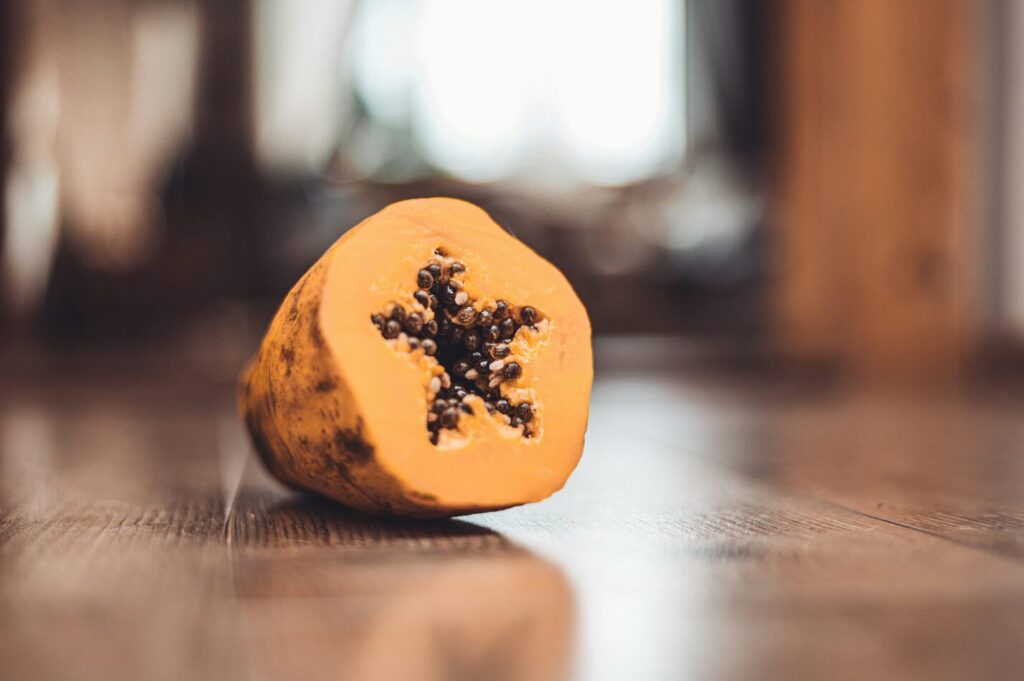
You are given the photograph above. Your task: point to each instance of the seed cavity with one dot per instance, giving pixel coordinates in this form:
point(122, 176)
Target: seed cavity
point(469, 340)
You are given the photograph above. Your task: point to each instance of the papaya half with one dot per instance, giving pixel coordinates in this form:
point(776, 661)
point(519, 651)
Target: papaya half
point(429, 364)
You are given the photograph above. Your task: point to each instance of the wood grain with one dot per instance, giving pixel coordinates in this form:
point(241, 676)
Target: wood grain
point(720, 526)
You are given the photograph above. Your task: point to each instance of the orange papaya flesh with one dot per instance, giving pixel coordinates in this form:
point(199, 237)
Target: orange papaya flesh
point(428, 365)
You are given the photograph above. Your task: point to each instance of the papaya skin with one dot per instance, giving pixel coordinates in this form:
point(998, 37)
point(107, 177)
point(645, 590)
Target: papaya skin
point(315, 421)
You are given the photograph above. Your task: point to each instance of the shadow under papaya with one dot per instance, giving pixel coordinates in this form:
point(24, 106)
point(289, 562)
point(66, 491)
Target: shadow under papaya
point(330, 593)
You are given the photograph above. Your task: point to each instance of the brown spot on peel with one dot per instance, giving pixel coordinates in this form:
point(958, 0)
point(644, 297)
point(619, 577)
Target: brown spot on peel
point(354, 445)
point(325, 385)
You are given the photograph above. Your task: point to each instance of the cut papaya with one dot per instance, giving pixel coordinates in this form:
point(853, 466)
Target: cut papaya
point(429, 364)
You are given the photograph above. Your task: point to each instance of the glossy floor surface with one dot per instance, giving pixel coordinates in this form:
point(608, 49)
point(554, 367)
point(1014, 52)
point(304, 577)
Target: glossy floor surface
point(722, 525)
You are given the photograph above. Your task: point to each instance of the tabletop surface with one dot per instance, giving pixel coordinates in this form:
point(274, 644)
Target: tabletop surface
point(721, 525)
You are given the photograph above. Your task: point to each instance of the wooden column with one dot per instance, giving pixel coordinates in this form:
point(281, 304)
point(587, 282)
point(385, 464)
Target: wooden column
point(874, 239)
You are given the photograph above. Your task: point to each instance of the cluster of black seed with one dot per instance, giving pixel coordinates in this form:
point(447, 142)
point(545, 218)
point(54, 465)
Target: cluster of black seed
point(471, 345)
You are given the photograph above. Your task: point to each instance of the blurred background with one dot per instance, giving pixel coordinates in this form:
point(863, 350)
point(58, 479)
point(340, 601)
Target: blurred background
point(825, 182)
point(780, 216)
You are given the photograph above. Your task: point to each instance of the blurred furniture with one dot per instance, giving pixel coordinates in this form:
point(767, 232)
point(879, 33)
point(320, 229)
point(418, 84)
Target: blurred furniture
point(878, 229)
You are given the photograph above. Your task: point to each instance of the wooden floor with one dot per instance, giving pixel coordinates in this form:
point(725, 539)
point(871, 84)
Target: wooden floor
point(722, 525)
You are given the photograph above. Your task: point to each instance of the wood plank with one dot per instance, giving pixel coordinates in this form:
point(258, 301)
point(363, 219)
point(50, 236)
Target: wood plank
point(111, 564)
point(940, 463)
point(933, 464)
